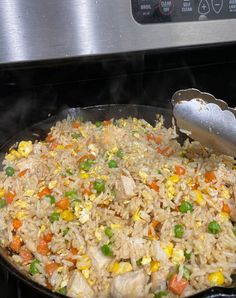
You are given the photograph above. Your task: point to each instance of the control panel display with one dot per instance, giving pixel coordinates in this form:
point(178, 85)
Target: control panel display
point(157, 11)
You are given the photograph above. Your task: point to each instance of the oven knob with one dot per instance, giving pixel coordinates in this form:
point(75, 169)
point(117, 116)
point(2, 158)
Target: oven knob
point(166, 7)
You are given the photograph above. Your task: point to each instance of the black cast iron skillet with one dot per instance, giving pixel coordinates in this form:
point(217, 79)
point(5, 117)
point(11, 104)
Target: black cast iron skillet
point(95, 113)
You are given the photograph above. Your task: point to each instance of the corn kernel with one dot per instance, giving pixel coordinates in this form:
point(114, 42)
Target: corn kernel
point(146, 260)
point(2, 192)
point(199, 197)
point(84, 175)
point(67, 215)
point(136, 215)
point(174, 178)
point(25, 148)
point(177, 256)
point(114, 268)
point(168, 248)
point(155, 265)
point(60, 147)
point(216, 278)
point(52, 184)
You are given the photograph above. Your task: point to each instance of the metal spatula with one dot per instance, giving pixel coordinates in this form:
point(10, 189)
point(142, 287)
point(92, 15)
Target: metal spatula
point(206, 119)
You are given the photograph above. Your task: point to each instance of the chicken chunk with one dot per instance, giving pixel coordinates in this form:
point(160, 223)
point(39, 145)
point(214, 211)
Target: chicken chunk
point(131, 284)
point(98, 259)
point(78, 287)
point(158, 280)
point(128, 185)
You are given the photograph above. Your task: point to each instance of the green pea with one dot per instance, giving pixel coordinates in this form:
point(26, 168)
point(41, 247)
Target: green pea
point(2, 203)
point(120, 153)
point(214, 227)
point(65, 231)
point(112, 164)
point(106, 250)
point(179, 231)
point(76, 135)
point(86, 165)
point(187, 255)
point(160, 294)
point(186, 273)
point(185, 207)
point(9, 171)
point(69, 172)
point(34, 267)
point(99, 186)
point(139, 262)
point(51, 199)
point(72, 195)
point(54, 217)
point(108, 232)
point(98, 123)
point(63, 291)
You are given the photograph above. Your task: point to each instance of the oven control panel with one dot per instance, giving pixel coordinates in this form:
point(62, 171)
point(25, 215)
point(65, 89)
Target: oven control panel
point(157, 11)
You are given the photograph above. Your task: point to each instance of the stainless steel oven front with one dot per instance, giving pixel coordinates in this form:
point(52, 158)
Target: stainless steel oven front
point(37, 30)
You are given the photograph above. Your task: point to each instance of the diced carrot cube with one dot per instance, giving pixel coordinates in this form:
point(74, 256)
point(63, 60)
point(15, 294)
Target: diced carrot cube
point(16, 243)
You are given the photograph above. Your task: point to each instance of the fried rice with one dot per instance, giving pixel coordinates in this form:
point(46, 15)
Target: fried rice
point(119, 209)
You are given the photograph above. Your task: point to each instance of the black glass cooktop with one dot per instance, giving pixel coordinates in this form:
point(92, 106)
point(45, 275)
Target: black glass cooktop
point(12, 287)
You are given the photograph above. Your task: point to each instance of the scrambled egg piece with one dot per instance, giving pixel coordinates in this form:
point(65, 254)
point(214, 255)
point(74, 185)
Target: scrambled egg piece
point(83, 263)
point(25, 148)
point(143, 176)
point(29, 192)
point(177, 256)
point(146, 260)
point(12, 155)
